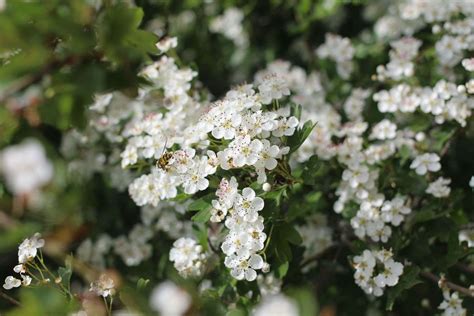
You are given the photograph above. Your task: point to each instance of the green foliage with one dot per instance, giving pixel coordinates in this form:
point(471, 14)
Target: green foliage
point(409, 279)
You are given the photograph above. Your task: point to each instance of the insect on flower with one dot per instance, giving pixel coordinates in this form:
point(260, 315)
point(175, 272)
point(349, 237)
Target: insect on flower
point(164, 159)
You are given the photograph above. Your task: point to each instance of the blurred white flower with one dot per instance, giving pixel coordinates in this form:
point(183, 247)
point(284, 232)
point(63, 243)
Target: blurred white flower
point(25, 167)
point(170, 300)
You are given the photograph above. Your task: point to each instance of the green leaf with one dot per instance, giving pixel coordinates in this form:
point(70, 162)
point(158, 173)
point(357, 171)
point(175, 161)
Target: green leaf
point(291, 234)
point(202, 216)
point(65, 273)
point(408, 279)
point(282, 270)
point(199, 205)
point(300, 135)
point(201, 232)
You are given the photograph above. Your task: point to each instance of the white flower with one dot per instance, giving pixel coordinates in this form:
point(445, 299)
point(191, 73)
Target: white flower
point(188, 257)
point(384, 130)
point(452, 304)
point(195, 179)
point(230, 25)
point(11, 282)
point(426, 162)
point(365, 266)
point(247, 151)
point(218, 212)
point(468, 64)
point(340, 50)
point(29, 248)
point(276, 305)
point(356, 176)
point(226, 125)
point(105, 286)
point(167, 43)
point(170, 300)
point(390, 275)
point(394, 211)
point(286, 127)
point(439, 188)
point(227, 191)
point(25, 167)
point(273, 87)
point(471, 182)
point(468, 236)
point(26, 280)
point(19, 268)
point(267, 160)
point(248, 205)
point(244, 267)
point(129, 156)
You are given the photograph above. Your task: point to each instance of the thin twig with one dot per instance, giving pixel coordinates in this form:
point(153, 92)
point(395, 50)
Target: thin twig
point(320, 255)
point(465, 268)
point(9, 298)
point(448, 284)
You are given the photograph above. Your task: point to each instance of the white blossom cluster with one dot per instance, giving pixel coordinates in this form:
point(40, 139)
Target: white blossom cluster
point(134, 248)
point(229, 24)
point(188, 257)
point(27, 252)
point(452, 304)
point(269, 284)
point(401, 64)
point(445, 101)
point(245, 238)
point(244, 133)
point(375, 270)
point(439, 188)
point(94, 253)
point(340, 50)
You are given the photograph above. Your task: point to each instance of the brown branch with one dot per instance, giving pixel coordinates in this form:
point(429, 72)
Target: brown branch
point(322, 254)
point(465, 268)
point(9, 298)
point(448, 284)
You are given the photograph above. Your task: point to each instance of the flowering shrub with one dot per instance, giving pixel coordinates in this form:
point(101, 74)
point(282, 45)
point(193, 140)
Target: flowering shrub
point(331, 177)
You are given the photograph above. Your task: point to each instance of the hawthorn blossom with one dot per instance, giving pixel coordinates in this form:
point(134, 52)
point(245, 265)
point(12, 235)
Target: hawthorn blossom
point(29, 248)
point(439, 188)
point(248, 205)
point(188, 257)
point(426, 162)
point(11, 282)
point(104, 287)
